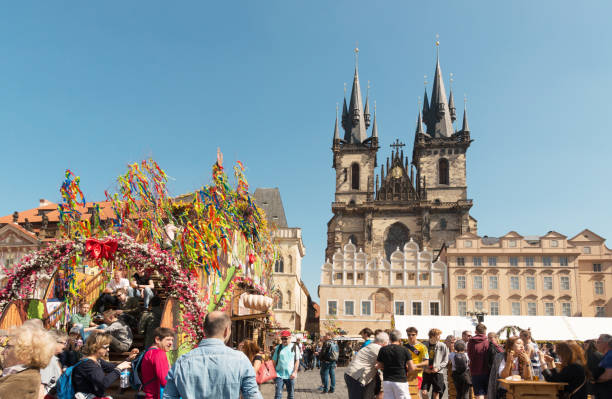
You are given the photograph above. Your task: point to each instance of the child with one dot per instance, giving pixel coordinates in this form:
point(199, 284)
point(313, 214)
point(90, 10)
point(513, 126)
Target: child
point(461, 373)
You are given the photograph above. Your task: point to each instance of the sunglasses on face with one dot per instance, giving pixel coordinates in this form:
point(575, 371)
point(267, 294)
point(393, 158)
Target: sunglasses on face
point(105, 346)
point(412, 335)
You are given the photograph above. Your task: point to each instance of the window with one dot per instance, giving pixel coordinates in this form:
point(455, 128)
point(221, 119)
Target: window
point(443, 171)
point(349, 308)
point(424, 276)
point(462, 308)
point(494, 308)
point(349, 276)
point(493, 282)
point(549, 308)
point(600, 311)
point(563, 261)
point(546, 260)
point(586, 250)
point(492, 260)
point(531, 309)
point(512, 243)
point(417, 308)
point(460, 282)
point(399, 308)
point(479, 306)
point(599, 288)
point(434, 308)
point(477, 261)
point(366, 308)
point(332, 308)
point(566, 309)
point(399, 276)
point(461, 261)
point(355, 176)
point(554, 243)
point(528, 260)
point(597, 267)
point(359, 276)
point(514, 283)
point(279, 301)
point(467, 244)
point(548, 284)
point(279, 266)
point(477, 282)
point(443, 224)
point(565, 284)
point(513, 261)
point(397, 236)
point(338, 276)
point(516, 308)
point(530, 282)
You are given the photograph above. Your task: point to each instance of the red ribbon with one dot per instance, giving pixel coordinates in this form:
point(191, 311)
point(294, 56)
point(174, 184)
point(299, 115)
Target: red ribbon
point(97, 249)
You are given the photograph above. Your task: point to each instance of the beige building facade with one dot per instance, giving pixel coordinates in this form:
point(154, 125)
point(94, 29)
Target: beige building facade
point(292, 296)
point(360, 291)
point(548, 275)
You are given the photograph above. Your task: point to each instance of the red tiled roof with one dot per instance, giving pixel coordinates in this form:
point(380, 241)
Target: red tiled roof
point(33, 216)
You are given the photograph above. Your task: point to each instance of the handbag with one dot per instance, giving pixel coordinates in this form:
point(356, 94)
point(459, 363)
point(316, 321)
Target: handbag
point(266, 372)
point(568, 395)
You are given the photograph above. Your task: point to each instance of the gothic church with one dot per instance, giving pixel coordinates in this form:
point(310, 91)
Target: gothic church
point(423, 199)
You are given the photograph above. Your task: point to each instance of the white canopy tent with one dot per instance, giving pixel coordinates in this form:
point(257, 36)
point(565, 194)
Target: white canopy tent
point(543, 328)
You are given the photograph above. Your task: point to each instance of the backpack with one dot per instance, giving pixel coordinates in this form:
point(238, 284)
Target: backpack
point(64, 388)
point(330, 355)
point(135, 380)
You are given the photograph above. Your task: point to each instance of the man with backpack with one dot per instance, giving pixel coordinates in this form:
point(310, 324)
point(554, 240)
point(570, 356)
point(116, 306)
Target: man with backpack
point(154, 366)
point(329, 357)
point(286, 361)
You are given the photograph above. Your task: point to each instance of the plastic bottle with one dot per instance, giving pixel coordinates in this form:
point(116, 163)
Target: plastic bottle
point(124, 381)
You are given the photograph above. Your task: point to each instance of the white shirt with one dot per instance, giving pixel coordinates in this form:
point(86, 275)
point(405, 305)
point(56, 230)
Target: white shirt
point(114, 286)
point(515, 367)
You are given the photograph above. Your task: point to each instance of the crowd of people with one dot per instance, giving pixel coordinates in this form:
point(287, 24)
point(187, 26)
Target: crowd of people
point(384, 366)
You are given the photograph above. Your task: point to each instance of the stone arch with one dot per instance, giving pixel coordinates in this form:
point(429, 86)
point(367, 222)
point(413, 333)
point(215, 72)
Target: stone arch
point(383, 299)
point(396, 236)
point(443, 171)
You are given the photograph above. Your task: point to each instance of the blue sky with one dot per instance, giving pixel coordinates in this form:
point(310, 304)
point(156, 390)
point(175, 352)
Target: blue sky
point(93, 86)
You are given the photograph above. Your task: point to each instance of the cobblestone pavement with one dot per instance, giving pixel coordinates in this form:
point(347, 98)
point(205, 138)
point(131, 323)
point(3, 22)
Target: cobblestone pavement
point(307, 386)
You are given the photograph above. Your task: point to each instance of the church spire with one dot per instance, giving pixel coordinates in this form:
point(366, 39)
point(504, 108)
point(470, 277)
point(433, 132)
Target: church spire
point(374, 124)
point(355, 131)
point(451, 106)
point(419, 127)
point(336, 130)
point(366, 110)
point(439, 122)
point(465, 127)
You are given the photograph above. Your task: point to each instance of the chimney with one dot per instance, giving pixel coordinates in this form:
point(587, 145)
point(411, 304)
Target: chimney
point(43, 202)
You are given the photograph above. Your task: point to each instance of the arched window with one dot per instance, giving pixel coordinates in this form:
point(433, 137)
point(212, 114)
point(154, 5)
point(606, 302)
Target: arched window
point(352, 239)
point(397, 235)
point(355, 176)
point(443, 171)
point(279, 266)
point(289, 299)
point(279, 301)
point(290, 264)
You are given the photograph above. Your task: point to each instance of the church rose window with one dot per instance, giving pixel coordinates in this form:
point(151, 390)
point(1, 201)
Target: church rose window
point(397, 236)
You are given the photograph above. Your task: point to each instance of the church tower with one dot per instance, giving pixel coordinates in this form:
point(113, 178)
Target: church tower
point(354, 156)
point(439, 153)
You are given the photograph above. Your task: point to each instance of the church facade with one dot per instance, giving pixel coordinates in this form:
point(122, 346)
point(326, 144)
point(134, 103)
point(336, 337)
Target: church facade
point(391, 218)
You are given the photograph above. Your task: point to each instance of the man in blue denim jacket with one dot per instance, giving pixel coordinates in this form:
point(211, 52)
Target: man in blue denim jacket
point(212, 370)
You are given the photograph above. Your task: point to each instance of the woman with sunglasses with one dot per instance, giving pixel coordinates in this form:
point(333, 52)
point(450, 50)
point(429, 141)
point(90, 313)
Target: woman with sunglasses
point(93, 375)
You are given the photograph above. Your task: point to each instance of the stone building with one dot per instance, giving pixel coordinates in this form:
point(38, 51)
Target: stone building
point(421, 202)
point(293, 299)
point(548, 275)
point(359, 290)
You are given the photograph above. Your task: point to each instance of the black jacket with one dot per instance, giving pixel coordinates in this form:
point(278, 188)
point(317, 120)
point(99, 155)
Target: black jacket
point(91, 377)
point(574, 375)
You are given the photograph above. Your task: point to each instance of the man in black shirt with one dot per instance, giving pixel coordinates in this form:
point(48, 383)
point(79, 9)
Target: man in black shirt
point(142, 286)
point(395, 361)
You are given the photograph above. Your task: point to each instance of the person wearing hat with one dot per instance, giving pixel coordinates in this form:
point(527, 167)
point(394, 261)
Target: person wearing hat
point(286, 361)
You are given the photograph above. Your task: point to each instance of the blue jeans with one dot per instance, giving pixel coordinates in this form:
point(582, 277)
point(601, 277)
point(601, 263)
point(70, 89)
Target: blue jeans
point(148, 294)
point(328, 372)
point(279, 382)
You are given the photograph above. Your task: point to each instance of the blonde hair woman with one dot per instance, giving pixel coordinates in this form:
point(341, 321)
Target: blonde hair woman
point(92, 375)
point(27, 351)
